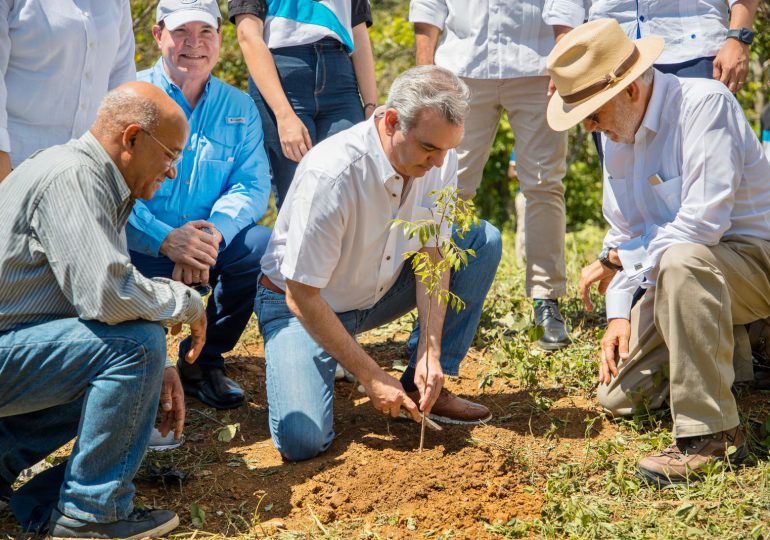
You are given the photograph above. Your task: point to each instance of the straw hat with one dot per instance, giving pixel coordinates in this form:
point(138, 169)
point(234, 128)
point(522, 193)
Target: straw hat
point(591, 65)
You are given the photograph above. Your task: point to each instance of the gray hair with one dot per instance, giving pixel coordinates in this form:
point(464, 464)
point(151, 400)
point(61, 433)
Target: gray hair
point(121, 108)
point(647, 77)
point(428, 87)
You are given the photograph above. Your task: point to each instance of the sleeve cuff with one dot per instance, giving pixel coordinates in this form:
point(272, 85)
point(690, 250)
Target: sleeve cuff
point(563, 14)
point(619, 304)
point(246, 7)
point(5, 140)
point(422, 14)
point(633, 256)
point(225, 225)
point(305, 279)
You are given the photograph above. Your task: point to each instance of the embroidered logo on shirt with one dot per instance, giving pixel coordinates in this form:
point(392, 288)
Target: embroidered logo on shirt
point(236, 120)
point(638, 266)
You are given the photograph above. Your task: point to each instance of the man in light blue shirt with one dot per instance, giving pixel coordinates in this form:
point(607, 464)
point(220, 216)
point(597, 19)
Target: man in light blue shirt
point(200, 228)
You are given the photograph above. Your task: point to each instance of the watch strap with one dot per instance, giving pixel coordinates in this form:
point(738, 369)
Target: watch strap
point(744, 35)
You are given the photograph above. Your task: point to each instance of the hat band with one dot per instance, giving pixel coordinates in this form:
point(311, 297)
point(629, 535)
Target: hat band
point(607, 81)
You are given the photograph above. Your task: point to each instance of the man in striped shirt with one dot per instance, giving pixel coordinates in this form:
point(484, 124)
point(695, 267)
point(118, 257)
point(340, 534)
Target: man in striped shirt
point(82, 346)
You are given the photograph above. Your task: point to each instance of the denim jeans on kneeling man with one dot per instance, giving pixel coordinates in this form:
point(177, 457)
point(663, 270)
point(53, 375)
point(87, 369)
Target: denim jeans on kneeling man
point(67, 378)
point(300, 374)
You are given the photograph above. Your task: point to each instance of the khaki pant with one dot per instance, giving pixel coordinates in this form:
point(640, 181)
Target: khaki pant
point(540, 162)
point(684, 346)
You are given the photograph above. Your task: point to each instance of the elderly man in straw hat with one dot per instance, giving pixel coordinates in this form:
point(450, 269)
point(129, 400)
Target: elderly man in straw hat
point(686, 197)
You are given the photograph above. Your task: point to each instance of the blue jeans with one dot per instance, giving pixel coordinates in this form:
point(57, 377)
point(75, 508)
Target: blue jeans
point(320, 84)
point(68, 378)
point(234, 281)
point(300, 374)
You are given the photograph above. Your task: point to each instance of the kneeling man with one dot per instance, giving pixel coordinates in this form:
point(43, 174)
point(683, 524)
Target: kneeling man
point(334, 267)
point(685, 194)
point(201, 228)
point(82, 349)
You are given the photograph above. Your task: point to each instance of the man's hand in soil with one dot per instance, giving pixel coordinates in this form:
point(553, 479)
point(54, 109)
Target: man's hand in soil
point(323, 324)
point(614, 349)
point(172, 403)
point(388, 396)
point(429, 379)
point(192, 245)
point(197, 335)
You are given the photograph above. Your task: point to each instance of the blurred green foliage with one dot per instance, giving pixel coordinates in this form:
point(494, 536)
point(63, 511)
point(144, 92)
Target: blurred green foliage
point(393, 45)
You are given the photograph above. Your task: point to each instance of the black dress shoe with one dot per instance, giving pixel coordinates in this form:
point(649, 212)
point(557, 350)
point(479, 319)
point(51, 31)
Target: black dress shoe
point(547, 315)
point(210, 385)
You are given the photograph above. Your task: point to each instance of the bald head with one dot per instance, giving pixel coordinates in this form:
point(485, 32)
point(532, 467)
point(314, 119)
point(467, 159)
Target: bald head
point(138, 103)
point(143, 130)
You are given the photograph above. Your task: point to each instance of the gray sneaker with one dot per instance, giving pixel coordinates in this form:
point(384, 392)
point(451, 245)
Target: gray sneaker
point(141, 523)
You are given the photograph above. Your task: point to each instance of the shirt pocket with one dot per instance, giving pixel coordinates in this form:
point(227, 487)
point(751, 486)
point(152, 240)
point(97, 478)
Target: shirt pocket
point(212, 176)
point(669, 196)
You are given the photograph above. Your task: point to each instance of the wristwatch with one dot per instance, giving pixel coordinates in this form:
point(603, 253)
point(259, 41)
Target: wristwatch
point(744, 35)
point(604, 258)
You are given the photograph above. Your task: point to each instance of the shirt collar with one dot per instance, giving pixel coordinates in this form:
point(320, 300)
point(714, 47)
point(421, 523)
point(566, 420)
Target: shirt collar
point(655, 108)
point(173, 90)
point(96, 152)
point(385, 170)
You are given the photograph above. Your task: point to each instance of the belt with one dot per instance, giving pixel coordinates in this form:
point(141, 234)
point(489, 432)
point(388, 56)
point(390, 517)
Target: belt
point(269, 285)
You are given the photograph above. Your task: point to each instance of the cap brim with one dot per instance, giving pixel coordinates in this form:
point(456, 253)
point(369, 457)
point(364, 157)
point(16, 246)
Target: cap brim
point(184, 16)
point(562, 116)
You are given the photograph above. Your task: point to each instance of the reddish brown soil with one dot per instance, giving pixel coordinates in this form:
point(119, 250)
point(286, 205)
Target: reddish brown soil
point(372, 478)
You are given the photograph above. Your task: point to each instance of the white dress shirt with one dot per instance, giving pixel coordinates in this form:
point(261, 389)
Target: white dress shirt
point(488, 39)
point(58, 59)
point(335, 229)
point(712, 181)
point(691, 28)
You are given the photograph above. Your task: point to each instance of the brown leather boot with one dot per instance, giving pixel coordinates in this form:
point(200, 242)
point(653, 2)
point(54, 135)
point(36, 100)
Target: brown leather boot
point(684, 460)
point(450, 409)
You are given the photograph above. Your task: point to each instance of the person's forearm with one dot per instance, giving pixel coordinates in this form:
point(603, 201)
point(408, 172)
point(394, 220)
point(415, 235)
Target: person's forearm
point(425, 40)
point(261, 65)
point(560, 31)
point(742, 13)
point(431, 331)
point(363, 65)
point(325, 327)
point(5, 165)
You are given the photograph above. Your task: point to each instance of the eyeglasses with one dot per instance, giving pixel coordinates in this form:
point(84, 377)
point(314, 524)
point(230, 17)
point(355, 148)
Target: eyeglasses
point(175, 157)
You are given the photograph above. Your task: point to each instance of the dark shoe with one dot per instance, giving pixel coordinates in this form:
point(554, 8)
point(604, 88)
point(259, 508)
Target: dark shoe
point(450, 409)
point(139, 524)
point(547, 315)
point(683, 461)
point(211, 386)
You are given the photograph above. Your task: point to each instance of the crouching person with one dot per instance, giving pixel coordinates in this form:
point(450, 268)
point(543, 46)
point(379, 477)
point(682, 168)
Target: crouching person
point(82, 346)
point(685, 194)
point(334, 267)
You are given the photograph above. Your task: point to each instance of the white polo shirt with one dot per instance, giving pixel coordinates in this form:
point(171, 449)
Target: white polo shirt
point(712, 181)
point(335, 229)
point(488, 39)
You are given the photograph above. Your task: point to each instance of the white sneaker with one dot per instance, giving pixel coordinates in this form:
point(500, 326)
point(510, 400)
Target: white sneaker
point(341, 374)
point(159, 443)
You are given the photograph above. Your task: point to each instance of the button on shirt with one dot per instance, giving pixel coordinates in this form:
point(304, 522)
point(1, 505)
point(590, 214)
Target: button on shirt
point(691, 28)
point(58, 59)
point(335, 229)
point(488, 39)
point(224, 175)
point(712, 181)
point(63, 247)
